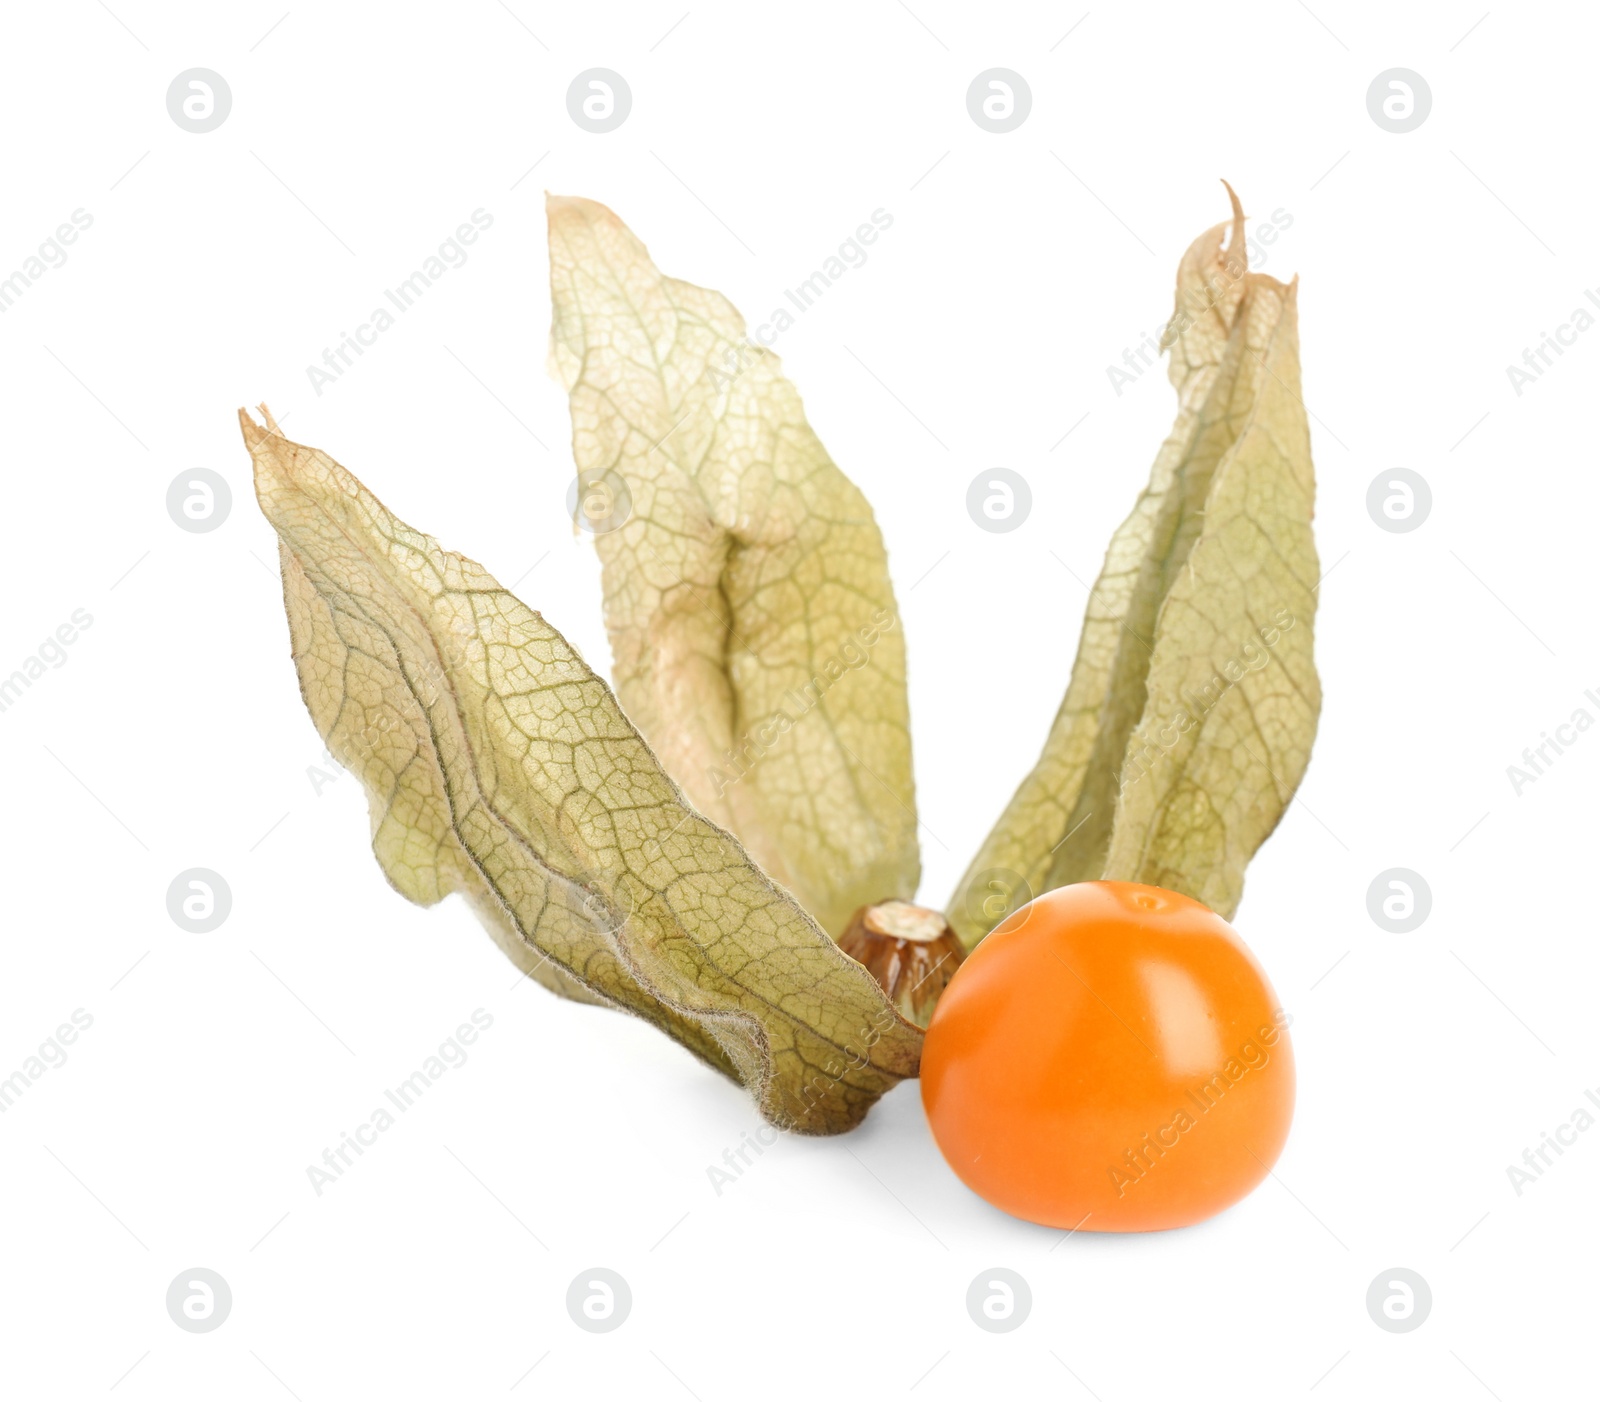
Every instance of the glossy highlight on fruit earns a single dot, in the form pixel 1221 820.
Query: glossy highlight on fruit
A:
pixel 1110 1058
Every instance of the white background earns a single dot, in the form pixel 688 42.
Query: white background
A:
pixel 1017 269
